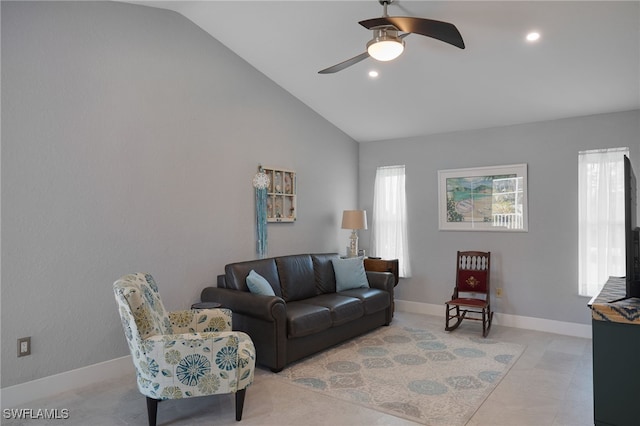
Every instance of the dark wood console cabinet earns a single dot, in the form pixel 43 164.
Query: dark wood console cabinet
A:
pixel 616 356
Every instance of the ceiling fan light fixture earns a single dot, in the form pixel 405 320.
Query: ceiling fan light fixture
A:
pixel 385 45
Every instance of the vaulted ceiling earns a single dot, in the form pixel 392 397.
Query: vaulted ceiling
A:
pixel 587 60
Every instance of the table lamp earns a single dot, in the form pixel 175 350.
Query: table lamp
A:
pixel 354 220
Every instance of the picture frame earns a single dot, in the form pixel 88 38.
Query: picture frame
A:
pixel 483 199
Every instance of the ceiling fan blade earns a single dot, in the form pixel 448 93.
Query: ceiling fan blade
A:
pixel 443 31
pixel 345 64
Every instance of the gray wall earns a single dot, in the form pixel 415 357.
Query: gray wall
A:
pixel 129 141
pixel 537 269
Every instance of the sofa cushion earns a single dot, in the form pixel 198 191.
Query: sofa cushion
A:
pixel 373 299
pixel 304 319
pixel 349 273
pixel 343 308
pixel 296 277
pixel 323 270
pixel 236 274
pixel 258 284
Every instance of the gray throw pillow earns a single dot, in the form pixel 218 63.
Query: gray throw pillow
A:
pixel 258 284
pixel 350 273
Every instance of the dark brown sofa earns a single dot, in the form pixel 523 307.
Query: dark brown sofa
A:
pixel 306 315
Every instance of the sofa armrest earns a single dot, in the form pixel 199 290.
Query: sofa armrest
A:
pixel 267 308
pixel 384 281
pixel 264 318
pixel 381 280
pixel 200 320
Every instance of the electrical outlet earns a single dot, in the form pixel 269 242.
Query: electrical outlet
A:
pixel 498 291
pixel 24 346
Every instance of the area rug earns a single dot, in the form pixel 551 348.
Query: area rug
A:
pixel 421 374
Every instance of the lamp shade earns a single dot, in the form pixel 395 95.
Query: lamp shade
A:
pixel 354 219
pixel 386 50
pixel 385 45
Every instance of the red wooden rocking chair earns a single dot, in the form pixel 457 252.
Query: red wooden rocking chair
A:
pixel 471 295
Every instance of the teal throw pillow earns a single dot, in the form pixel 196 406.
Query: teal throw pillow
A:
pixel 350 273
pixel 258 284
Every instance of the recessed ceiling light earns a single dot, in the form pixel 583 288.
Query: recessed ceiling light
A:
pixel 373 74
pixel 533 36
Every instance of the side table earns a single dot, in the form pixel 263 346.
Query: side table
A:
pixel 382 265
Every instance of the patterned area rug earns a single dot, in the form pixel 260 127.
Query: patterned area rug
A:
pixel 424 375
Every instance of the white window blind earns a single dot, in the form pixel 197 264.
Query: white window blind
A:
pixel 389 224
pixel 601 249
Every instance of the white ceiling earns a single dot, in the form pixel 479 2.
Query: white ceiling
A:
pixel 586 62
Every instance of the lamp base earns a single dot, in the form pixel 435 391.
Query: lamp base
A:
pixel 353 244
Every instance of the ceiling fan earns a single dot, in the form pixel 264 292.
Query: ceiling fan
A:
pixel 387 44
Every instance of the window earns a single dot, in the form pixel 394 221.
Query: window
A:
pixel 601 250
pixel 389 230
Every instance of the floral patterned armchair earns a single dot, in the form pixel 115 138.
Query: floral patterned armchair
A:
pixel 181 354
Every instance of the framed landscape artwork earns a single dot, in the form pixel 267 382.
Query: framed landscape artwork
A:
pixel 483 199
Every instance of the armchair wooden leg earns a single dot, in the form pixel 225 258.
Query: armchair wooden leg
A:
pixel 240 403
pixel 152 410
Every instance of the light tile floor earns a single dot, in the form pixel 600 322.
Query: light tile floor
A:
pixel 550 384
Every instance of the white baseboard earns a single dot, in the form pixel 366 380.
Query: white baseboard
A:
pixel 529 323
pixel 15 396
